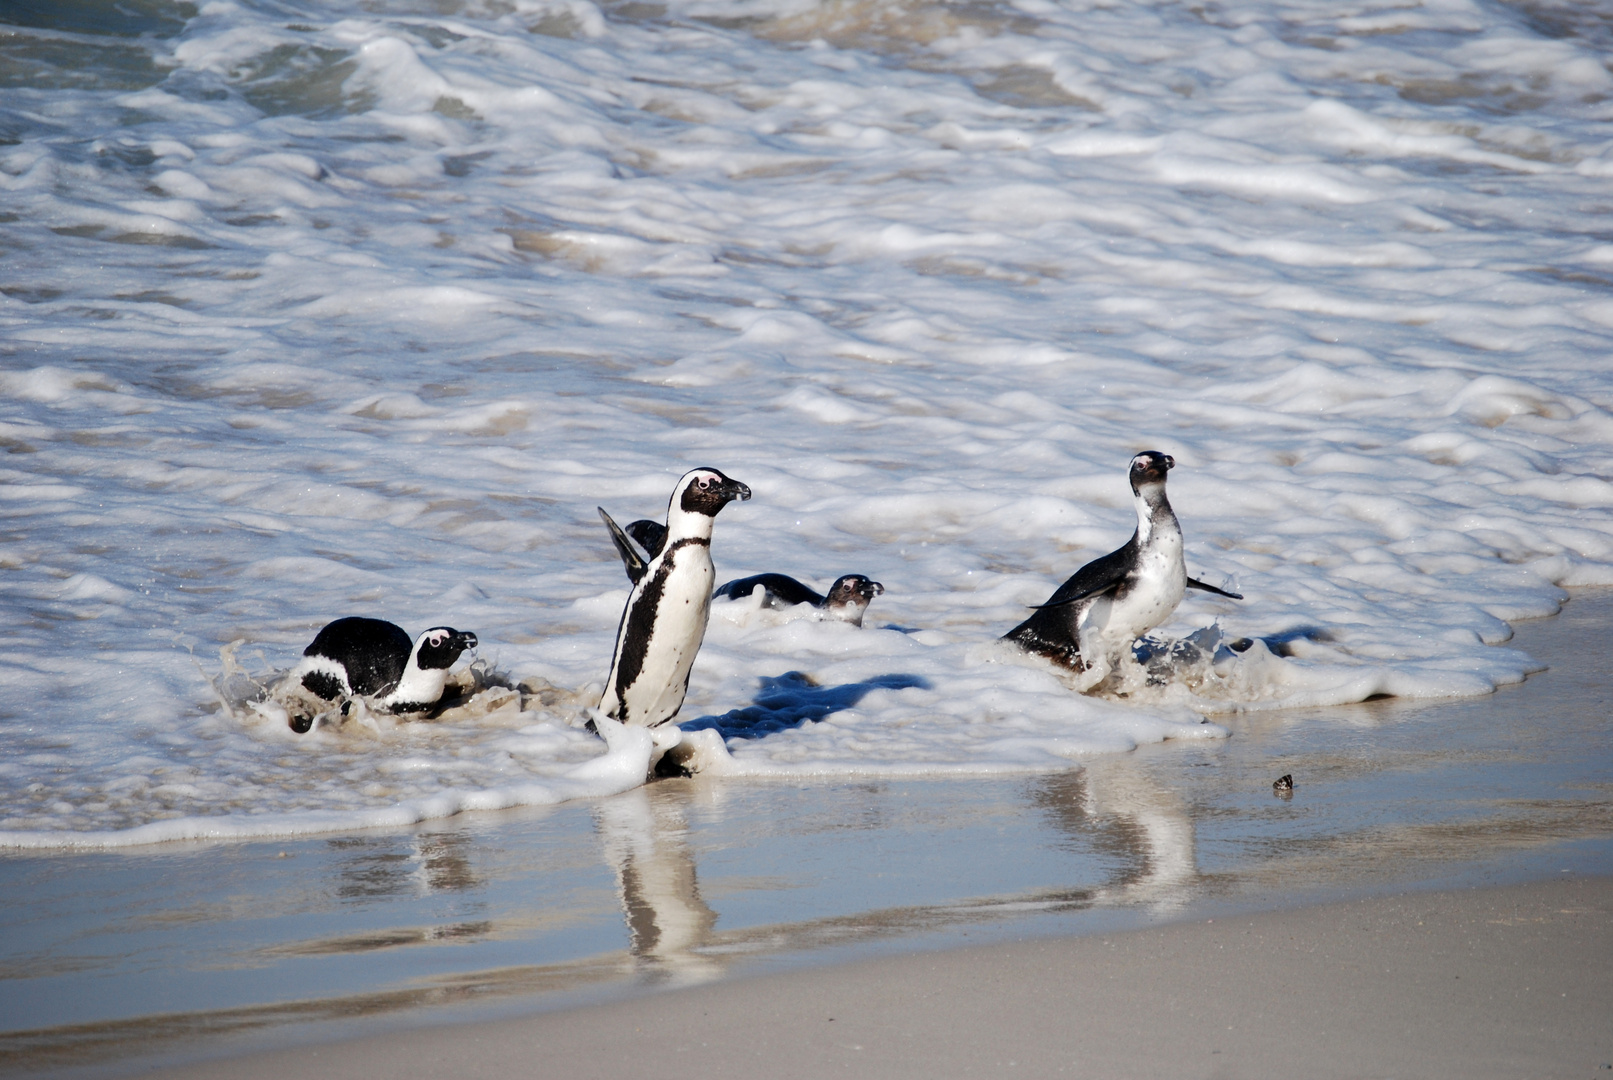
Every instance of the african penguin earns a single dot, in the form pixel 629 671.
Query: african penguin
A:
pixel 664 621
pixel 848 597
pixel 372 658
pixel 1110 602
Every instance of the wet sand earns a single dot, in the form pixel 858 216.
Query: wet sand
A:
pixel 755 904
pixel 1503 982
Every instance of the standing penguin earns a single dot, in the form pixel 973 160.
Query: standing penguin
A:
pixel 1110 602
pixel 665 618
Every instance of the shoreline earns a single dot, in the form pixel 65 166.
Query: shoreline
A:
pixel 331 942
pixel 1479 982
pixel 314 311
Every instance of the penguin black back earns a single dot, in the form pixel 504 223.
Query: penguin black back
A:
pixel 1050 630
pixel 373 651
pixel 780 587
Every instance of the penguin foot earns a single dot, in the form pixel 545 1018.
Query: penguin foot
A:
pixel 669 769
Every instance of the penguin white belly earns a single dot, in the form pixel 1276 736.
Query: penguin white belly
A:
pixel 1152 595
pixel 675 632
pixel 657 694
pixel 1108 626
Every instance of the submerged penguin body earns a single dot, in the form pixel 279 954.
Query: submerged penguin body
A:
pixel 848 598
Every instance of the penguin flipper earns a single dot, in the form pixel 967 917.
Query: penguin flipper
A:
pixel 634 563
pixel 1094 579
pixel 1194 584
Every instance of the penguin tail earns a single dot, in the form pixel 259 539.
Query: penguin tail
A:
pixel 1193 583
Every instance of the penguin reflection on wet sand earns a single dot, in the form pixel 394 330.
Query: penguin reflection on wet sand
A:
pixel 1107 604
pixel 848 597
pixel 664 621
pixel 372 658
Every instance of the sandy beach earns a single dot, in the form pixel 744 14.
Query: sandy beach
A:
pixel 1512 981
pixel 313 309
pixel 1432 900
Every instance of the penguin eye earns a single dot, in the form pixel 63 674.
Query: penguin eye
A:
pixel 436 640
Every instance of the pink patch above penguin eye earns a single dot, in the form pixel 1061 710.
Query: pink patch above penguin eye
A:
pixel 434 640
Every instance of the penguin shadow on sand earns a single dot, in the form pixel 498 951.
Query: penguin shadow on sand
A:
pixel 643 836
pixel 789 700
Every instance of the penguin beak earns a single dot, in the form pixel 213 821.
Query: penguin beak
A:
pixel 1170 462
pixel 873 589
pixel 465 640
pixel 735 490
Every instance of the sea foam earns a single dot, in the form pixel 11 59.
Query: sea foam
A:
pixel 313 311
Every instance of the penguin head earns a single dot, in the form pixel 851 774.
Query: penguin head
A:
pixel 706 491
pixel 850 596
pixel 440 646
pixel 853 589
pixel 1149 468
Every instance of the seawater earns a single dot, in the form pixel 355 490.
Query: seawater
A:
pixel 317 309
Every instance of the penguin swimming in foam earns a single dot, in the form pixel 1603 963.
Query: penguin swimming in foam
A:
pixel 664 621
pixel 372 658
pixel 1110 602
pixel 848 597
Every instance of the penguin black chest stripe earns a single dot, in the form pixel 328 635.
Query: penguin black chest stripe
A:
pixel 641 615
